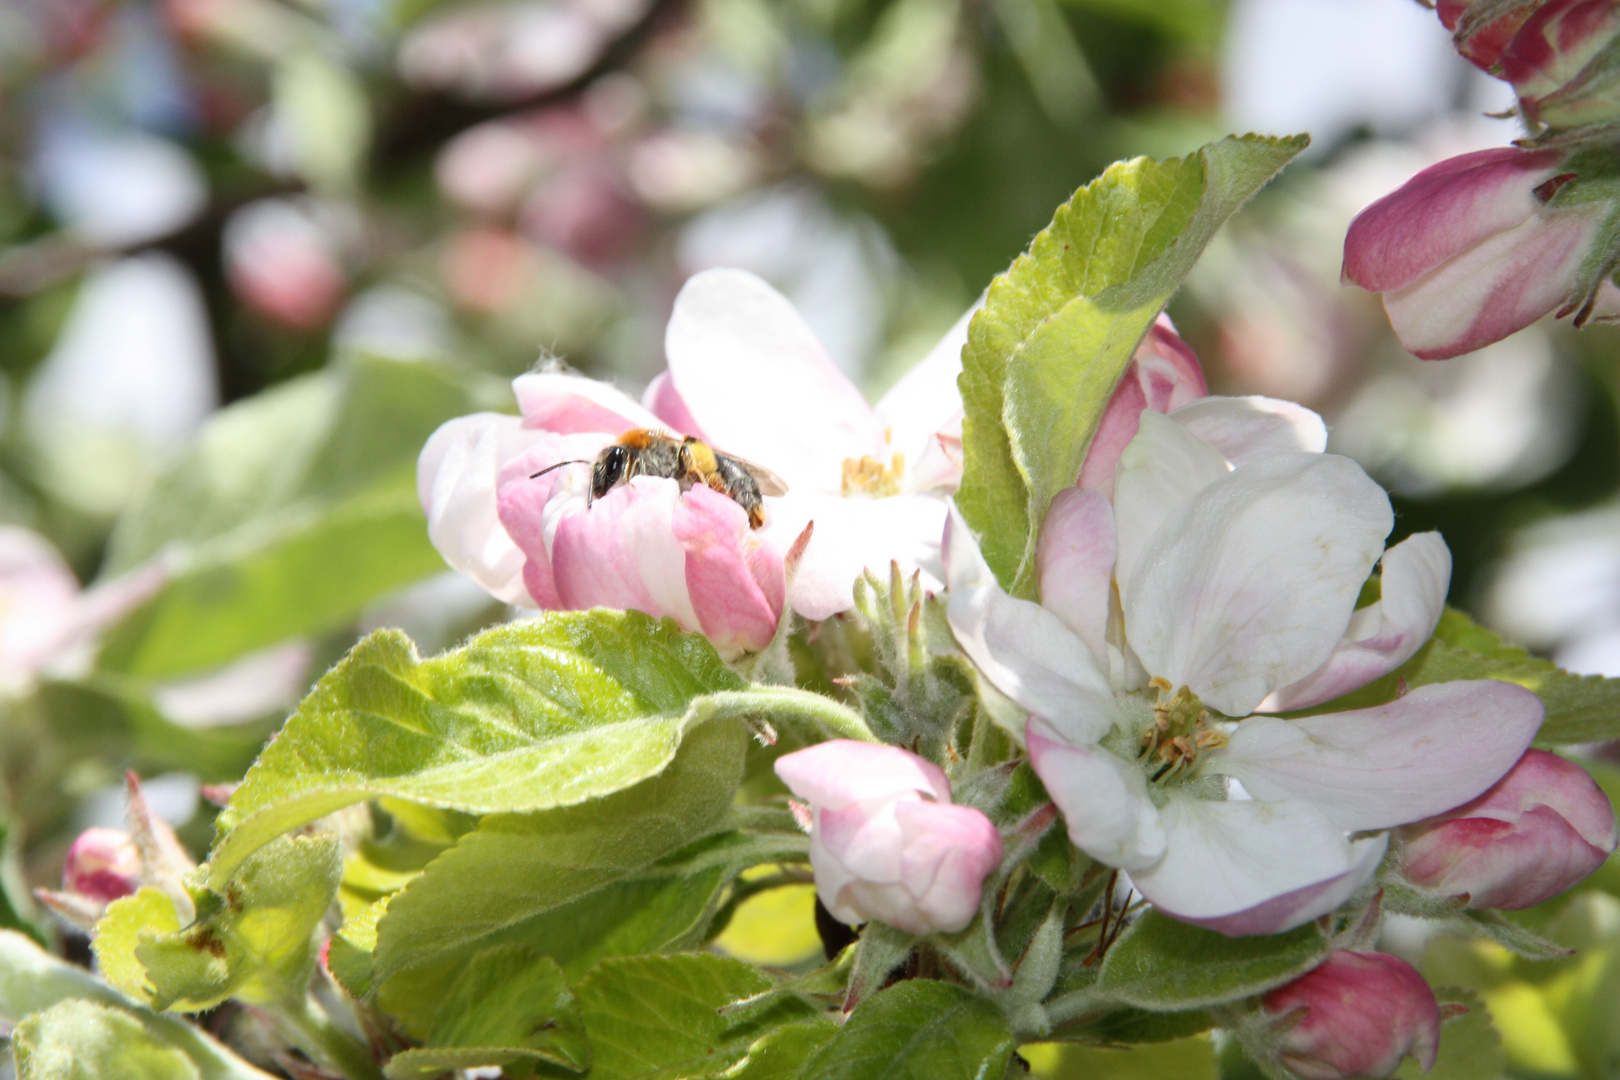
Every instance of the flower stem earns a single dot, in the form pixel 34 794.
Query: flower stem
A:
pixel 307 1026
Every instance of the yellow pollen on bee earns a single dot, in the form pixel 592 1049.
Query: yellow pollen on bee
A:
pixel 867 475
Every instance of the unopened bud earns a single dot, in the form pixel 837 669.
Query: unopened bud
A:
pixel 1535 833
pixel 1356 1015
pixel 1562 63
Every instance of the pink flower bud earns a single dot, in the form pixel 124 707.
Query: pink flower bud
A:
pixel 1357 1015
pixel 102 865
pixel 1481 29
pixel 1550 62
pixel 1536 832
pixel 1467 251
pixel 885 841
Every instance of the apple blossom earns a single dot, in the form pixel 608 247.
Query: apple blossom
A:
pixel 749 377
pixel 1474 249
pixel 1356 1015
pixel 1535 833
pixel 886 842
pixel 1561 65
pixel 1221 580
pixel 1481 29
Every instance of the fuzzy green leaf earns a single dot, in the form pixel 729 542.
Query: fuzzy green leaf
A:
pixel 289 513
pixel 80 1040
pixel 1060 325
pixel 515 868
pixel 1163 965
pixel 918 1029
pixel 551 712
pixel 509 1004
pixel 658 1017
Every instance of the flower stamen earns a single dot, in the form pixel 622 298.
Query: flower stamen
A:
pixel 869 476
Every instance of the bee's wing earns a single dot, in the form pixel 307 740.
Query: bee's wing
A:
pixel 769 483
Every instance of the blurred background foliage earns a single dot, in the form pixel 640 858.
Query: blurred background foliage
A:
pixel 252 252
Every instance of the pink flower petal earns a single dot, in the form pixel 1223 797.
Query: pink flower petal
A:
pixel 840 772
pixel 571 404
pixel 1358 1014
pixel 733 610
pixel 1075 561
pixel 1163 375
pixel 1429 751
pixel 666 403
pixel 531 507
pixel 1382 636
pixel 1248 585
pixel 1442 212
pixel 948 852
pixel 623 553
pixel 760 384
pixel 1022 648
pixel 1246 428
pixel 1104 801
pixel 456 479
pixel 1254 867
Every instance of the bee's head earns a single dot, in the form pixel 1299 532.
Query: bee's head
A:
pixel 609 469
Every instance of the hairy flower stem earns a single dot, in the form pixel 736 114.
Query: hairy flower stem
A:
pixel 306 1025
pixel 786 703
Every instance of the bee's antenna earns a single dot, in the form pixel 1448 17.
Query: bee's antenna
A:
pixel 560 464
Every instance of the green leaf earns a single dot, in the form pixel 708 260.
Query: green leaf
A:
pixel 514 868
pixel 1470 1046
pixel 510 1003
pixel 33 981
pixel 253 940
pixel 780 1053
pixel 1059 327
pixel 1163 965
pixel 289 513
pixel 659 1016
pixel 1184 1059
pixel 80 1040
pixel 919 1029
pixel 1580 708
pixel 551 712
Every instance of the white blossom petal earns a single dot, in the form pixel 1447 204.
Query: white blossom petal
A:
pixel 761 385
pixel 456 480
pixel 1246 428
pixel 1249 584
pixel 1435 748
pixel 1382 636
pixel 925 400
pixel 1254 867
pixel 1104 800
pixel 1023 649
pixel 852 535
pixel 1075 564
pixel 1163 467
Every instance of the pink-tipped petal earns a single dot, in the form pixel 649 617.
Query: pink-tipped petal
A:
pixel 1246 868
pixel 1382 636
pixel 572 404
pixel 1163 375
pixel 733 610
pixel 1104 801
pixel 1248 585
pixel 531 507
pixel 623 553
pixel 948 853
pixel 1442 212
pixel 666 403
pixel 1022 648
pixel 761 385
pixel 840 772
pixel 456 478
pixel 1246 428
pixel 1075 565
pixel 1497 288
pixel 1422 754
pixel 1163 467
pixel 1357 1015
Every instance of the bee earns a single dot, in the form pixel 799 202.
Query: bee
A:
pixel 645 452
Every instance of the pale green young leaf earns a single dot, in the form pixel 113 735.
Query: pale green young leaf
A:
pixel 289 513
pixel 80 1040
pixel 514 867
pixel 33 981
pixel 1060 325
pixel 509 1003
pixel 1163 965
pixel 659 1018
pixel 554 711
pixel 917 1029
pixel 1580 708
pixel 254 939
